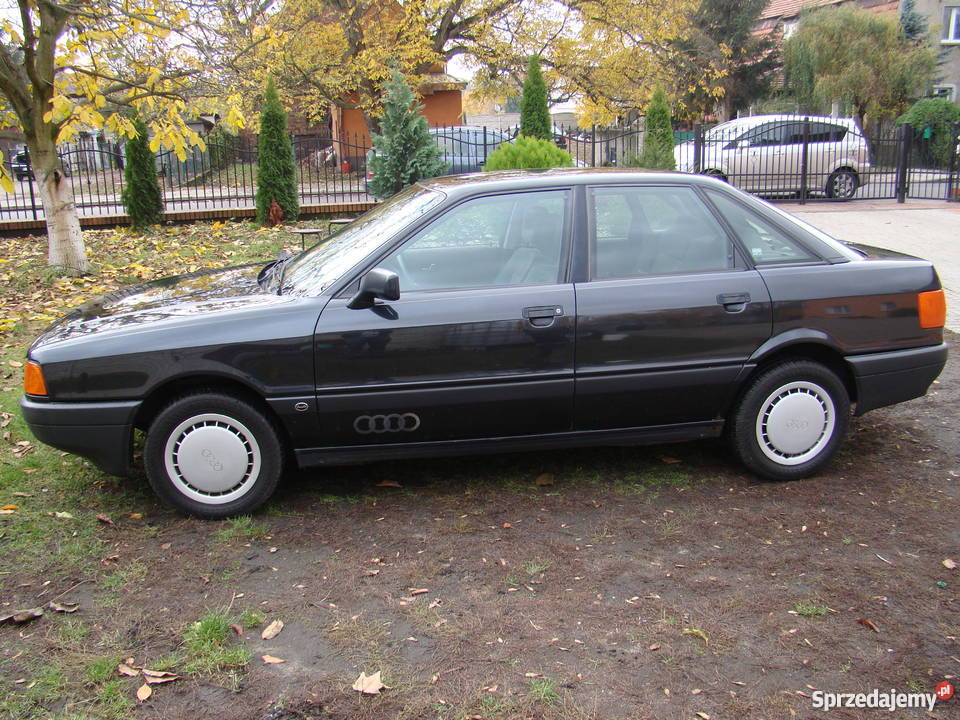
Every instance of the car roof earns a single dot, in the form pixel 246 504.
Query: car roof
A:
pixel 462 128
pixel 745 123
pixel 502 180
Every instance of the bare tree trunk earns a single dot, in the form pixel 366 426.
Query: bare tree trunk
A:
pixel 65 248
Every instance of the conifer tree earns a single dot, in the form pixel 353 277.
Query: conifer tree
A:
pixel 276 177
pixel 534 113
pixel 658 138
pixel 142 197
pixel 404 151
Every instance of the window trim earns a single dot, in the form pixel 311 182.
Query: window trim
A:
pixel 566 253
pixel 951 21
pixel 815 257
pixel 591 235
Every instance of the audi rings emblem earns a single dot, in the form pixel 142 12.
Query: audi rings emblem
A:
pixel 379 424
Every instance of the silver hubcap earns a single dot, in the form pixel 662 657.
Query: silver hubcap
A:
pixel 212 458
pixel 843 185
pixel 795 422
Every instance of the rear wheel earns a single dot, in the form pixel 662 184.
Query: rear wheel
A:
pixel 213 455
pixel 842 184
pixel 791 420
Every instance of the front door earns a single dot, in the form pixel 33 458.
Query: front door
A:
pixel 480 343
pixel 670 313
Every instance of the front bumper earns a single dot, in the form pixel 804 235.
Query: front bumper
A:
pixel 99 431
pixel 892 377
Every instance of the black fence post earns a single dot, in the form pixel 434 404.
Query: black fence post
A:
pixel 30 179
pixel 952 191
pixel 593 146
pixel 698 148
pixel 903 161
pixel 805 161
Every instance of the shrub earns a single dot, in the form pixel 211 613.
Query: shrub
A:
pixel 941 117
pixel 142 197
pixel 404 151
pixel 528 153
pixel 534 114
pixel 658 140
pixel 276 177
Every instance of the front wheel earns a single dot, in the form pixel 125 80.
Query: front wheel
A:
pixel 842 184
pixel 791 420
pixel 213 456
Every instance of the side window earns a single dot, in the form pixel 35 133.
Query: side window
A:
pixel 496 240
pixel 765 243
pixel 654 231
pixel 824 132
pixel 767 135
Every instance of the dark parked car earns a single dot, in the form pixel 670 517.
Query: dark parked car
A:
pixel 20 166
pixel 495 312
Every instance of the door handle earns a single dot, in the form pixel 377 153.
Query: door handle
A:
pixel 543 315
pixel 733 302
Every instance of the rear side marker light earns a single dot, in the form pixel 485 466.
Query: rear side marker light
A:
pixel 33 382
pixel 932 309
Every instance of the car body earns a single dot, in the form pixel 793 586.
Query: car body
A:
pixel 495 312
pixel 763 154
pixel 20 166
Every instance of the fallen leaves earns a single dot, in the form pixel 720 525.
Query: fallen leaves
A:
pixel 150 677
pixel 271 660
pixel 20 617
pixel 950 564
pixel 369 684
pixel 696 633
pixel 868 624
pixel 272 630
pixel 66 607
pixel 158 677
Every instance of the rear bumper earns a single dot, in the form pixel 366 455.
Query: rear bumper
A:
pixel 892 377
pixel 101 432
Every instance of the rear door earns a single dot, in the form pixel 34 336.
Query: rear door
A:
pixel 480 343
pixel 669 315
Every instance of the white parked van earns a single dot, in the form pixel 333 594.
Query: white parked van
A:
pixel 763 154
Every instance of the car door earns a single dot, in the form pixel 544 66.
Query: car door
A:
pixel 480 342
pixel 769 158
pixel 670 312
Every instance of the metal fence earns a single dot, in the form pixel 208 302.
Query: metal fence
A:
pixel 805 158
pixel 827 159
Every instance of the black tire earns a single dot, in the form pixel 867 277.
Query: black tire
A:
pixel 213 455
pixel 842 184
pixel 791 420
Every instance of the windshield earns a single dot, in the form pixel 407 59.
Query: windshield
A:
pixel 313 271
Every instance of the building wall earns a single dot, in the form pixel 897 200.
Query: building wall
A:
pixel 444 107
pixel 948 72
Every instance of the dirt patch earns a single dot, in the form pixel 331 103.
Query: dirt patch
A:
pixel 632 582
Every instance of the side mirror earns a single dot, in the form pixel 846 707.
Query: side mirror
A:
pixel 378 283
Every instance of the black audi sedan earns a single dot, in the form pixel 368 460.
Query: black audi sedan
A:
pixel 495 312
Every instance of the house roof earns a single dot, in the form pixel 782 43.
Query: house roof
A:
pixel 791 8
pixel 777 9
pixel 438 81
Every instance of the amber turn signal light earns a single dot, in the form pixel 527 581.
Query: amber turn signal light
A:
pixel 33 382
pixel 932 309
